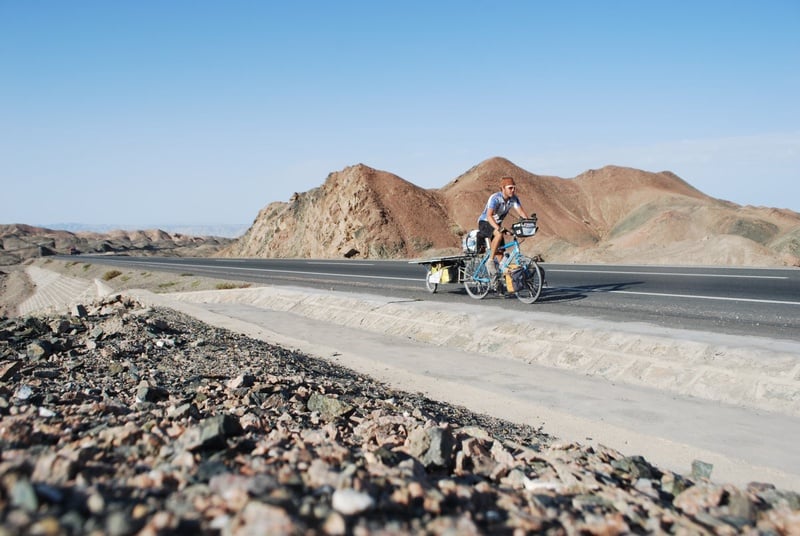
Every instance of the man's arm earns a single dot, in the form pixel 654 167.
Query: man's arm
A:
pixel 491 220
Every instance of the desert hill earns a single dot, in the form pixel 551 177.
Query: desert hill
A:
pixel 358 211
pixel 19 242
pixel 610 215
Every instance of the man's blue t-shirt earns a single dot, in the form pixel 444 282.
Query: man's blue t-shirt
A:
pixel 500 206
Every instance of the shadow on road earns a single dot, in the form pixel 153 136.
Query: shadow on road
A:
pixel 559 294
pixel 563 294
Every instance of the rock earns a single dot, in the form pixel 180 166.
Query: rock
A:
pixel 350 501
pixel 23 496
pixel 24 392
pixel 698 498
pixel 39 350
pixel 701 469
pixel 148 393
pixel 258 518
pixel 60 326
pixel 212 433
pixel 329 408
pixel 433 446
pixel 635 467
pixel 8 369
pixel 242 380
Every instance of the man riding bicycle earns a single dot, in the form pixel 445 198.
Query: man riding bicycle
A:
pixel 490 222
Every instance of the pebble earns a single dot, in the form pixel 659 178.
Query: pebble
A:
pixel 350 501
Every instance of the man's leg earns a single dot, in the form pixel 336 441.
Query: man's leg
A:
pixel 490 237
pixel 496 238
pixel 490 267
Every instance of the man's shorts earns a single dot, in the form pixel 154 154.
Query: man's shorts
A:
pixel 485 230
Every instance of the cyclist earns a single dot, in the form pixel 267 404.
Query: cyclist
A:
pixel 490 222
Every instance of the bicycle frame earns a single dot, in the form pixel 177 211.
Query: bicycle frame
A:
pixel 514 257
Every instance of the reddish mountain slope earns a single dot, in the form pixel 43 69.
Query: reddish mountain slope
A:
pixel 358 211
pixel 613 214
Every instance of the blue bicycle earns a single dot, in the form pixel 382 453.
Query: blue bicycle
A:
pixel 518 274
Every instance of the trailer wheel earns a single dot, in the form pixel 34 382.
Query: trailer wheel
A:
pixel 431 286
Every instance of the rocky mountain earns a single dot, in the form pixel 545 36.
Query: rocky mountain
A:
pixel 613 215
pixel 358 211
pixel 19 242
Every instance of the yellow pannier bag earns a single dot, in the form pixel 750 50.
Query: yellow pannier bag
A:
pixel 510 270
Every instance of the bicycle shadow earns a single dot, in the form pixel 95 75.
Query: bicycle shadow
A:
pixel 563 294
pixel 556 294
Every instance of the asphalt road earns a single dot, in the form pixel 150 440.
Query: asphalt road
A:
pixel 741 301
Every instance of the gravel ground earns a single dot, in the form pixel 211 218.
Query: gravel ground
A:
pixel 120 419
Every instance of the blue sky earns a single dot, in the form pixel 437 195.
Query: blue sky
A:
pixel 200 112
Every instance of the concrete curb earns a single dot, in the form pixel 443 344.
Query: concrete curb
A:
pixel 746 371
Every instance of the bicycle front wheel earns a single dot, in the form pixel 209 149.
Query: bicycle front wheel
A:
pixel 476 278
pixel 533 284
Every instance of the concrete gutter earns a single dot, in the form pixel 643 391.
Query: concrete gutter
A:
pixel 55 291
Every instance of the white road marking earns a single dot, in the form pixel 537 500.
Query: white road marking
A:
pixel 198 267
pixel 331 274
pixel 667 274
pixel 667 295
pixel 338 263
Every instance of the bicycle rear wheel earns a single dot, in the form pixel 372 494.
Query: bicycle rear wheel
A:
pixel 476 278
pixel 533 284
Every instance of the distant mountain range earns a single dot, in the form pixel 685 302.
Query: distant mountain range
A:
pixel 225 230
pixel 19 241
